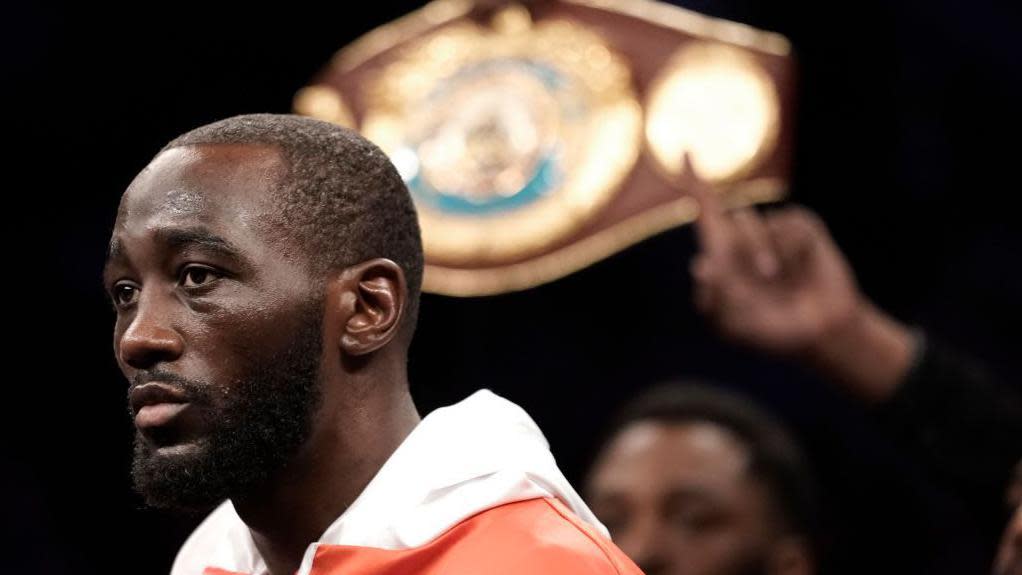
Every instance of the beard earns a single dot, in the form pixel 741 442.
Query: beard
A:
pixel 248 441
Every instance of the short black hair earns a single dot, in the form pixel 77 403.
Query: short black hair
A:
pixel 775 458
pixel 341 199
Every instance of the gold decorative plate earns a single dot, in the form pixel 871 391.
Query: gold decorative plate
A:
pixel 521 135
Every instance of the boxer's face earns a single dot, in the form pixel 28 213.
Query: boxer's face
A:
pixel 218 332
pixel 678 499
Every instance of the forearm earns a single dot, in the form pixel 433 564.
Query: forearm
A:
pixel 868 353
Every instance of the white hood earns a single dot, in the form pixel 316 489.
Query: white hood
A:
pixel 460 460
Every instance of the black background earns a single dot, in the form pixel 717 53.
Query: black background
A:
pixel 907 146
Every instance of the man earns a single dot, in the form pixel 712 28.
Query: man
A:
pixel 265 271
pixel 697 481
pixel 778 283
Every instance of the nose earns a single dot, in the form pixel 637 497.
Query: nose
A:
pixel 150 338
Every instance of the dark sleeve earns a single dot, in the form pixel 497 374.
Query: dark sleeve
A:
pixel 964 423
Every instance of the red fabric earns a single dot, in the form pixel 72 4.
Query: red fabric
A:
pixel 538 536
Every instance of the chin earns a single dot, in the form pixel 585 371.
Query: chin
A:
pixel 178 477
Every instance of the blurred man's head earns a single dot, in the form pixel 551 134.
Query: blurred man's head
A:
pixel 697 481
pixel 258 267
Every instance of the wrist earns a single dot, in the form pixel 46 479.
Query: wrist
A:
pixel 868 353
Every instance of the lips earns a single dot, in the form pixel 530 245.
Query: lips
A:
pixel 157 405
pixel 158 415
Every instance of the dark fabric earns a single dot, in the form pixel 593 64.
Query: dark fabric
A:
pixel 962 422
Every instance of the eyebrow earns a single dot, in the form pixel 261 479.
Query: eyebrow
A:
pixel 179 238
pixel 690 493
pixel 676 493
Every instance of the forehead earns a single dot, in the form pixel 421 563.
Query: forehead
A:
pixel 655 458
pixel 224 188
pixel 205 182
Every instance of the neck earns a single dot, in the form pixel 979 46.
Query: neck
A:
pixel 360 423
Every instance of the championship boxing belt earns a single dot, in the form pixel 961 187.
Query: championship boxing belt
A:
pixel 539 138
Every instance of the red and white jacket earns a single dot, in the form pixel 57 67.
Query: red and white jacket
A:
pixel 473 490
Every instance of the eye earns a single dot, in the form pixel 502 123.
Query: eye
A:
pixel 124 294
pixel 198 276
pixel 698 518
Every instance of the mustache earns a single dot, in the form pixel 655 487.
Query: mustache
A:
pixel 194 392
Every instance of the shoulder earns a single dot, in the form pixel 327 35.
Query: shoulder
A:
pixel 544 536
pixel 536 537
pixel 532 537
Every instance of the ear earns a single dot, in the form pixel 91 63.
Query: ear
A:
pixel 372 300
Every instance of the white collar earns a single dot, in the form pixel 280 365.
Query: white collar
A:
pixel 477 454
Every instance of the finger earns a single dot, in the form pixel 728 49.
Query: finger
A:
pixel 795 233
pixel 704 286
pixel 713 229
pixel 754 243
pixel 700 267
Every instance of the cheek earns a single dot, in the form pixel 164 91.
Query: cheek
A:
pixel 238 338
pixel 230 344
pixel 718 548
pixel 240 317
pixel 643 533
pixel 629 536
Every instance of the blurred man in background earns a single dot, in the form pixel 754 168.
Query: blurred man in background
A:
pixel 697 481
